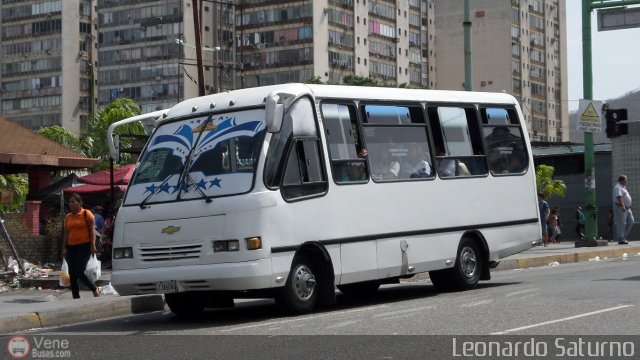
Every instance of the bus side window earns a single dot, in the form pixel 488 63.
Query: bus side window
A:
pixel 303 175
pixel 348 163
pixel 505 144
pixel 456 134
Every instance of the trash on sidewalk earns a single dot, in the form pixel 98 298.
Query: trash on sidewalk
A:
pixel 597 258
pixel 625 256
pixel 108 289
pixel 554 264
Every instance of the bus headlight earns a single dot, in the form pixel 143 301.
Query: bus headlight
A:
pixel 123 253
pixel 226 245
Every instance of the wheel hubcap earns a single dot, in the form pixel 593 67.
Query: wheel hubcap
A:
pixel 304 282
pixel 468 262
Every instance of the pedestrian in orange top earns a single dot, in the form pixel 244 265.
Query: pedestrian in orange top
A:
pixel 78 243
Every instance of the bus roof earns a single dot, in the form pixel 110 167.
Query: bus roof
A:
pixel 256 96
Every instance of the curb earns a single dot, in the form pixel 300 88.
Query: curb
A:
pixel 87 311
pixel 512 264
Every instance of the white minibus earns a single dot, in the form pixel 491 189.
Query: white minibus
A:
pixel 289 191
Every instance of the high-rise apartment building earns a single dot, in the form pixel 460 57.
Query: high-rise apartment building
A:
pixel 519 47
pixel 286 41
pixel 147 50
pixel 47 64
pixel 147 47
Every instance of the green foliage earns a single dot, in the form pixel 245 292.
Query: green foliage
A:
pixel 314 80
pixel 545 183
pixel 17 183
pixel 117 110
pixel 94 144
pixel 359 81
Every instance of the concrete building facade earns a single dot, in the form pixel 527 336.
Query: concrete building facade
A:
pixel 47 73
pixel 518 47
pixel 294 41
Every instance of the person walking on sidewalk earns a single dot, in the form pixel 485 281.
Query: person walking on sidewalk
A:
pixel 579 223
pixel 622 215
pixel 78 243
pixel 544 218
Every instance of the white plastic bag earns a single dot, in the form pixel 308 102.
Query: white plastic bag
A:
pixel 93 270
pixel 65 280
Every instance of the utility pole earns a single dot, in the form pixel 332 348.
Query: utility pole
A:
pixel 468 78
pixel 196 26
pixel 591 210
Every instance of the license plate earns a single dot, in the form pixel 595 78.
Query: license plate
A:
pixel 167 287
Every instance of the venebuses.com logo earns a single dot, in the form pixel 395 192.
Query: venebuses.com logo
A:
pixel 18 347
pixel 38 347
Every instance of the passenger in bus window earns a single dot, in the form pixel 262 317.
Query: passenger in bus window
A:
pixel 417 165
pixel 383 167
pixel 446 167
pixel 353 171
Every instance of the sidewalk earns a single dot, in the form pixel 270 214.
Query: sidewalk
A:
pixel 32 308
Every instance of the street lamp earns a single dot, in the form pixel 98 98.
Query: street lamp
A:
pixel 217 75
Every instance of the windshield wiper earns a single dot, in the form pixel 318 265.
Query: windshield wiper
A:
pixel 187 163
pixel 143 203
pixel 206 197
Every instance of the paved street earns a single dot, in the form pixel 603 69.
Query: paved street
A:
pixel 591 297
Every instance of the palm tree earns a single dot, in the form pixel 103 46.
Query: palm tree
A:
pixel 94 144
pixel 117 110
pixel 19 185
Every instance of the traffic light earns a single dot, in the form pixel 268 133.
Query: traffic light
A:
pixel 613 117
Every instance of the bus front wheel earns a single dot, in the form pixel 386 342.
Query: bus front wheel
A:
pixel 185 304
pixel 300 293
pixel 468 268
pixel 466 272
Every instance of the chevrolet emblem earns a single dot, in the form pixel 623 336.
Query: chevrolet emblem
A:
pixel 170 230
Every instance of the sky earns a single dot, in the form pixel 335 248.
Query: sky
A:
pixel 615 56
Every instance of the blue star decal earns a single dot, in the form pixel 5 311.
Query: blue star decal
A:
pixel 151 188
pixel 202 184
pixel 215 182
pixel 165 188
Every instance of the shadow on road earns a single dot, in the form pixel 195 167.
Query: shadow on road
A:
pixel 254 311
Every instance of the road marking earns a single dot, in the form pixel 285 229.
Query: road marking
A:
pixel 561 320
pixel 477 303
pixel 391 313
pixel 304 318
pixel 342 324
pixel 527 291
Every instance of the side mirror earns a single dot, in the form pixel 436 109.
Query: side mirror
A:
pixel 274 113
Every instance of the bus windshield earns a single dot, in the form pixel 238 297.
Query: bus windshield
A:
pixel 203 156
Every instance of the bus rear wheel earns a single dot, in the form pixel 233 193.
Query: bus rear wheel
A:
pixel 300 293
pixel 186 304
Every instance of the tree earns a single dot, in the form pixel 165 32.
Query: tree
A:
pixel 359 81
pixel 545 183
pixel 19 185
pixel 94 144
pixel 117 110
pixel 314 80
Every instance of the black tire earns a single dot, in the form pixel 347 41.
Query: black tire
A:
pixel 359 289
pixel 466 272
pixel 186 304
pixel 468 269
pixel 300 293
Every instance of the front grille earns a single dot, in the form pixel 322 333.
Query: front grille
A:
pixel 168 253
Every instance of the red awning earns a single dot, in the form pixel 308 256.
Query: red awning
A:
pixel 121 175
pixel 90 188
